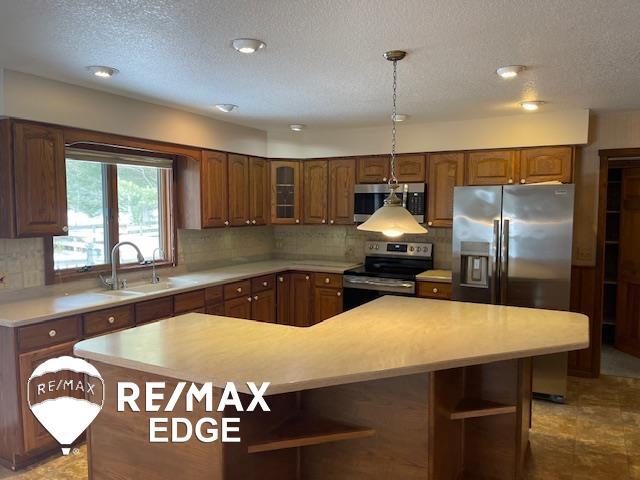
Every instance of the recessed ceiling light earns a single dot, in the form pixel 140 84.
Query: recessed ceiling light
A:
pixel 400 117
pixel 297 127
pixel 102 71
pixel 510 71
pixel 532 106
pixel 248 45
pixel 226 107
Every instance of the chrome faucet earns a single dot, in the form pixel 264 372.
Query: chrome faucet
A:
pixel 113 283
pixel 155 278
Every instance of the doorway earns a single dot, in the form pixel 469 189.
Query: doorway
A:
pixel 619 262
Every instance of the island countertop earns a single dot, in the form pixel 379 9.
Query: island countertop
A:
pixel 388 337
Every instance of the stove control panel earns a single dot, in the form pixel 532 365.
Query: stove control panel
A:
pixel 399 249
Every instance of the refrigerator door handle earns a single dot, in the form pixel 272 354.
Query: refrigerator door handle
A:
pixel 495 267
pixel 504 262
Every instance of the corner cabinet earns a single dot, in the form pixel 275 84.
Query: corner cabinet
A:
pixel 314 188
pixel 33 184
pixel 446 171
pixel 286 192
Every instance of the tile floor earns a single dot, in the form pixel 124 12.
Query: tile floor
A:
pixel 594 436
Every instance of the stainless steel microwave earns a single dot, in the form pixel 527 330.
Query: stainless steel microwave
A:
pixel 370 197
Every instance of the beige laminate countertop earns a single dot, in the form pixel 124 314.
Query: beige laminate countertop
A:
pixel 47 303
pixel 388 337
pixel 441 276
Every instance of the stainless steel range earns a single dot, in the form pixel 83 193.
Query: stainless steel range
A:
pixel 390 268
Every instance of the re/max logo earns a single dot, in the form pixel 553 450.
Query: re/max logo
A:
pixel 179 429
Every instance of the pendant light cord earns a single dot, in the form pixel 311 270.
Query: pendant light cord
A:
pixel 392 178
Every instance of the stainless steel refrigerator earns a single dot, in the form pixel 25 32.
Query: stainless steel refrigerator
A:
pixel 512 246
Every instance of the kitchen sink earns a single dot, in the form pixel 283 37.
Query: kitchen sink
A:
pixel 159 287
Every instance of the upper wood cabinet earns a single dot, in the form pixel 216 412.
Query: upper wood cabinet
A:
pixel 215 208
pixel 446 171
pixel 546 164
pixel 494 167
pixel 286 192
pixel 410 168
pixel 373 169
pixel 259 191
pixel 342 179
pixel 314 191
pixel 39 180
pixel 238 190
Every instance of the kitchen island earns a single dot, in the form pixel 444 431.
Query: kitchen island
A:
pixel 399 388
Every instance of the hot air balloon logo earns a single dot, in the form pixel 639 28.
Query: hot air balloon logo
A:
pixel 65 394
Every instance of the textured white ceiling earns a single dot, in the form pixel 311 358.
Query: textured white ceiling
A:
pixel 323 63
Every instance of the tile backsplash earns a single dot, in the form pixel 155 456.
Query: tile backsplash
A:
pixel 21 263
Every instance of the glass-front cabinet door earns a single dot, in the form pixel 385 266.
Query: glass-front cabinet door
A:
pixel 285 192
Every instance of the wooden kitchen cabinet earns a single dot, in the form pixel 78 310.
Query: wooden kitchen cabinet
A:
pixel 263 306
pixel 40 188
pixel 189 301
pixel 286 192
pixel 239 195
pixel 342 181
pixel 108 320
pixel 327 303
pixel 35 436
pixel 411 168
pixel 546 164
pixel 301 298
pixel 283 299
pixel 446 171
pixel 238 307
pixel 258 191
pixel 495 167
pixel 152 310
pixel 373 169
pixel 315 175
pixel 434 290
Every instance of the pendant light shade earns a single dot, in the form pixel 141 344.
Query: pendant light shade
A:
pixel 392 219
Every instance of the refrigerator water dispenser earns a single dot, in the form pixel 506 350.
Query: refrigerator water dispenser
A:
pixel 474 270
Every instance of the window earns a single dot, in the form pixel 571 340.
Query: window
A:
pixel 113 198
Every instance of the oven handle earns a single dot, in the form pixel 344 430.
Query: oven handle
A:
pixel 378 284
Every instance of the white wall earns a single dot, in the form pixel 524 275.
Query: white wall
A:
pixel 527 129
pixel 36 98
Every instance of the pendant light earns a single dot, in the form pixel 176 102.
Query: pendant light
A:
pixel 392 219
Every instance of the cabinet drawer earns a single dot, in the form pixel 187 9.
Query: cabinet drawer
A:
pixel 266 282
pixel 154 310
pixel 49 333
pixel 434 290
pixel 214 294
pixel 237 289
pixel 332 280
pixel 189 301
pixel 103 321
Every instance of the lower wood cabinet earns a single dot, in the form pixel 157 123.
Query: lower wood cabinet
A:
pixel 189 302
pixel 283 296
pixel 239 307
pixel 152 310
pixel 301 298
pixel 108 320
pixel 434 290
pixel 215 309
pixel 327 303
pixel 263 306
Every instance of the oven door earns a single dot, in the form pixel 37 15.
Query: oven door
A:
pixel 370 197
pixel 359 290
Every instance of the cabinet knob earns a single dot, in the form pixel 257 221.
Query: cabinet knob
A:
pixel 52 333
pixel 331 222
pixel 327 280
pixel 339 294
pixel 226 222
pixel 239 289
pixel 253 222
pixel 256 297
pixel 511 180
pixel 306 277
pixel 429 223
pixel 281 279
pixel 264 284
pixel 297 220
pixel 384 179
pixel 523 181
pixel 324 221
pixel 111 320
pixel 435 290
pixel 248 222
pixel 249 299
pixel 65 229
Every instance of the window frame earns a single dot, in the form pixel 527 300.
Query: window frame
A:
pixel 168 236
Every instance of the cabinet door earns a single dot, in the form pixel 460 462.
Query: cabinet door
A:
pixel 263 306
pixel 34 434
pixel 314 188
pixel 546 164
pixel 285 192
pixel 373 169
pixel 301 298
pixel 239 190
pixel 410 168
pixel 342 180
pixel 445 172
pixel 215 309
pixel 238 308
pixel 283 298
pixel 40 181
pixel 327 303
pixel 214 189
pixel 259 191
pixel 492 167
